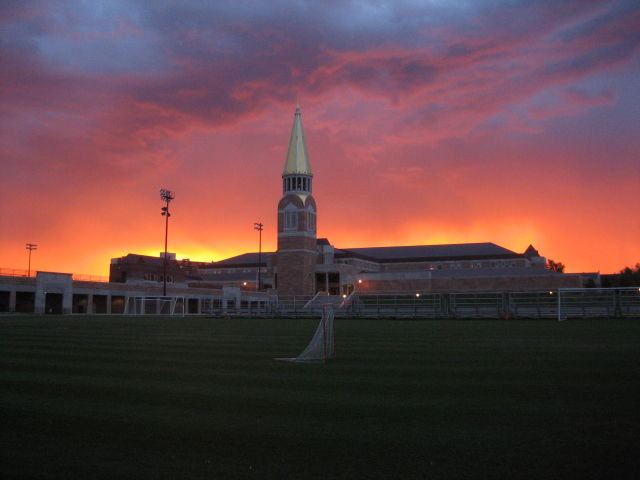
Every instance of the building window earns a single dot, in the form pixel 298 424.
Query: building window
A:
pixel 311 222
pixel 290 220
pixel 300 183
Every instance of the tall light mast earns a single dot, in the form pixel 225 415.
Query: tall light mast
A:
pixel 166 196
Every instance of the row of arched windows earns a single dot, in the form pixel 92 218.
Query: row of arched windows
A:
pixel 300 183
pixel 291 221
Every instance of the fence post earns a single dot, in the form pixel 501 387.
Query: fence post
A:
pixel 559 304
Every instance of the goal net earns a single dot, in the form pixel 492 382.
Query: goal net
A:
pixel 155 306
pixel 322 345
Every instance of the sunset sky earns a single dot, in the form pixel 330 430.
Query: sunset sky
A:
pixel 427 122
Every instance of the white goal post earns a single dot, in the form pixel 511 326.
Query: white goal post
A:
pixel 155 306
pixel 322 346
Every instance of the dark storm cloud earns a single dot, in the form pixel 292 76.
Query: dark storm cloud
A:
pixel 217 61
pixel 111 80
pixel 127 74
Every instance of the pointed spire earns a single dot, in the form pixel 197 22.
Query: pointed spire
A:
pixel 531 252
pixel 297 161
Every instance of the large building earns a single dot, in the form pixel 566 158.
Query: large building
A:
pixel 306 265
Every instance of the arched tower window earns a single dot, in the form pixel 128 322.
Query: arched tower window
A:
pixel 311 222
pixel 296 183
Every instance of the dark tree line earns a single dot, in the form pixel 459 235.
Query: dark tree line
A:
pixel 627 277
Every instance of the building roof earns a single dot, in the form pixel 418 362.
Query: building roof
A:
pixel 492 272
pixel 429 252
pixel 531 252
pixel 132 258
pixel 244 260
pixel 297 156
pixel 221 277
pixel 412 253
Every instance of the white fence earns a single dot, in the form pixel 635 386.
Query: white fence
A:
pixel 555 304
pixel 600 302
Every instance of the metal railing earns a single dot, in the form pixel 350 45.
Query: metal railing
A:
pixel 598 302
pixel 18 272
pixel 563 303
pixel 555 304
pixel 90 278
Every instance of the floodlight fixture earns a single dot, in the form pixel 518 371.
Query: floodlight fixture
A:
pixel 166 195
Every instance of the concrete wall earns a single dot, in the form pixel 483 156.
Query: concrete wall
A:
pixel 58 293
pixel 50 285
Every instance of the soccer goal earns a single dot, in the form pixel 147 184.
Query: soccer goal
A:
pixel 155 306
pixel 322 346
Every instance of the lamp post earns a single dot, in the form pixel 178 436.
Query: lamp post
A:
pixel 166 196
pixel 258 226
pixel 30 247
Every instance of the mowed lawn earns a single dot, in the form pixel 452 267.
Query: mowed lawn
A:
pixel 190 398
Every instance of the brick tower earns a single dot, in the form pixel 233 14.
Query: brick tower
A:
pixel 296 255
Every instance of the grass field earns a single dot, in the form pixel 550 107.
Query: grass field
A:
pixel 190 398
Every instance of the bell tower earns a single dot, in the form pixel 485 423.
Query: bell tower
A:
pixel 296 256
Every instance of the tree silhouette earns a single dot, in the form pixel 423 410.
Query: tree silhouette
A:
pixel 630 277
pixel 555 266
pixel 627 277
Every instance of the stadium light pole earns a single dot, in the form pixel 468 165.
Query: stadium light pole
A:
pixel 30 247
pixel 166 196
pixel 258 226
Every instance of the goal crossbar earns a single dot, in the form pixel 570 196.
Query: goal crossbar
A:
pixel 143 305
